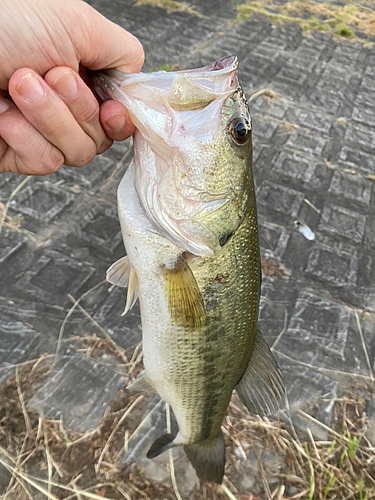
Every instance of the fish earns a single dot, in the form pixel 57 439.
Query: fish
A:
pixel 188 217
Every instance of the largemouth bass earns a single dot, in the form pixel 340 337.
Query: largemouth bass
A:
pixel 189 223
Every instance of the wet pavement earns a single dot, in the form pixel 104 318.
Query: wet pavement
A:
pixel 314 145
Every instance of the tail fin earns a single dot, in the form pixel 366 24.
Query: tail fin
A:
pixel 208 459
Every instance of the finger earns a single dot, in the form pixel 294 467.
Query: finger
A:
pixel 81 102
pixel 23 150
pixel 104 44
pixel 46 111
pixel 116 121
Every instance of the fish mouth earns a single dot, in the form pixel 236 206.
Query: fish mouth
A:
pixel 222 66
pixel 187 89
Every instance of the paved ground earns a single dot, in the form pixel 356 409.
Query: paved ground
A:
pixel 314 162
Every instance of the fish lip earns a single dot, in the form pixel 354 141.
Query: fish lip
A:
pixel 223 66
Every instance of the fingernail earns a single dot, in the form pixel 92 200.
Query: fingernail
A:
pixel 30 88
pixel 4 104
pixel 66 85
pixel 116 121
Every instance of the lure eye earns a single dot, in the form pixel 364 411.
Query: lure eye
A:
pixel 240 130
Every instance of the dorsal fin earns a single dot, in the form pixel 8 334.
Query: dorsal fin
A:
pixel 184 297
pixel 261 387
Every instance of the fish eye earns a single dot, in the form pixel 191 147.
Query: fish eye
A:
pixel 240 130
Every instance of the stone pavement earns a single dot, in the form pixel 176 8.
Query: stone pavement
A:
pixel 314 145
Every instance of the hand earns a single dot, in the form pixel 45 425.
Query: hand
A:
pixel 57 119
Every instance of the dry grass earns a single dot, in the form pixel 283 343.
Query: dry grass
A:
pixel 352 20
pixel 170 6
pixel 14 224
pixel 44 457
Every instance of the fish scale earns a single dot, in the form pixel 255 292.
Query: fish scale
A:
pixel 188 216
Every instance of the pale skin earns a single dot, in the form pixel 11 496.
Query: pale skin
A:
pixel 48 115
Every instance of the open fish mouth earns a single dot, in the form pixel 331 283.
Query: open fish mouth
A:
pixel 225 65
pixel 186 89
pixel 181 120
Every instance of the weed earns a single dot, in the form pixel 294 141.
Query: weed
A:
pixel 170 6
pixel 341 20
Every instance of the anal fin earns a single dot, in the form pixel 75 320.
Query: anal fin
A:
pixel 163 443
pixel 261 387
pixel 184 297
pixel 208 459
pixel 142 384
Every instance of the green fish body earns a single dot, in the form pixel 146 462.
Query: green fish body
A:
pixel 188 216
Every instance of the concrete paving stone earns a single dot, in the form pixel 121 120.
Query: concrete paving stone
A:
pixel 365 116
pixel 351 188
pixel 17 342
pixel 7 184
pixel 52 277
pixel 317 332
pixel 364 99
pixel 308 142
pixel 276 109
pixel 40 204
pixel 315 120
pixel 228 45
pixel 366 270
pixel 332 265
pixel 273 240
pixel 99 227
pixel 326 99
pixel 279 201
pixel 294 168
pixel 85 178
pixel 78 392
pixel 369 237
pixel 345 56
pixel 263 129
pixel 125 330
pixel 293 75
pixel 343 222
pixel 276 306
pixel 310 391
pixel 360 137
pixel 11 243
pixel 40 316
pixel 368 83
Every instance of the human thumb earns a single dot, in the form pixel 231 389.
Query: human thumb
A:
pixel 104 44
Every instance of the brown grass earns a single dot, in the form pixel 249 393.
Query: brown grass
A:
pixel 343 21
pixel 76 466
pixel 170 6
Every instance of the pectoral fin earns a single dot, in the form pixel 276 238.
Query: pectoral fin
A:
pixel 184 297
pixel 122 273
pixel 133 292
pixel 261 387
pixel 142 384
pixel 118 273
